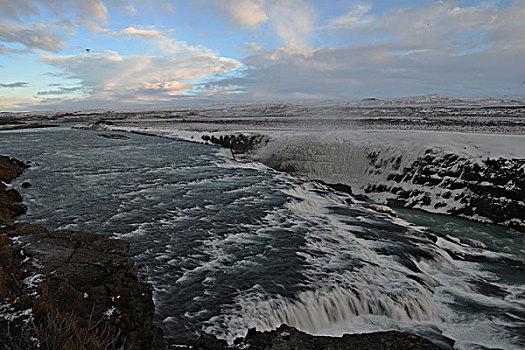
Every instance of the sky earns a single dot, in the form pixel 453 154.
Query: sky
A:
pixel 83 54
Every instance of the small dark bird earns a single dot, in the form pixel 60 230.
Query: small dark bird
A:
pixel 87 50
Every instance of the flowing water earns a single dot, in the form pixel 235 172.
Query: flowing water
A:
pixel 228 245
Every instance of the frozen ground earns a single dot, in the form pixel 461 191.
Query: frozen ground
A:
pixel 432 112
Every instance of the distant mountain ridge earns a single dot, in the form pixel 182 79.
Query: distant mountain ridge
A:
pixel 436 99
pixel 265 108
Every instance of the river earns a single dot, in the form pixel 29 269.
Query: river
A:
pixel 230 244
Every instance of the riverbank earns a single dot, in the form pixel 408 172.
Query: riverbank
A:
pixel 7 124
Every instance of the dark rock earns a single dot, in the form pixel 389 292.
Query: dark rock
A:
pixel 102 121
pixel 289 338
pixel 238 143
pixel 209 342
pixel 395 177
pixel 491 190
pixel 10 199
pixel 115 136
pixel 396 203
pixel 75 263
pixel 340 188
pixel 473 243
pixel 10 168
pixel 426 200
pixel 285 338
pixel 26 185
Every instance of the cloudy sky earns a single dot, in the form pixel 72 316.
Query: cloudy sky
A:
pixel 63 54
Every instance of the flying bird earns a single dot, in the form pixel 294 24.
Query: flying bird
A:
pixel 87 50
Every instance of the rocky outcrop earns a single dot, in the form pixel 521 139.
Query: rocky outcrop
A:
pixel 68 289
pixel 115 136
pixel 238 143
pixel 285 338
pixel 10 199
pixel 491 190
pixel 91 277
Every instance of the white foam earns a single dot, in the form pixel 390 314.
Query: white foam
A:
pixel 372 297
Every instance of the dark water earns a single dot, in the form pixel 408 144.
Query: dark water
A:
pixel 229 245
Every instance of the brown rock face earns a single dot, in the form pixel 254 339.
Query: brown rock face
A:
pixel 93 278
pixel 10 205
pixel 10 168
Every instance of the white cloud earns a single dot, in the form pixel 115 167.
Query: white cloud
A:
pixel 244 13
pixel 84 9
pixel 47 36
pixel 94 27
pixel 356 16
pixel 32 36
pixel 253 47
pixel 293 21
pixel 131 9
pixel 181 48
pixel 140 32
pixel 370 71
pixel 440 26
pixel 167 87
pixel 432 48
pixel 128 79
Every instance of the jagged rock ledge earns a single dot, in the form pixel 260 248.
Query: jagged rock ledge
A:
pixel 286 337
pixel 238 143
